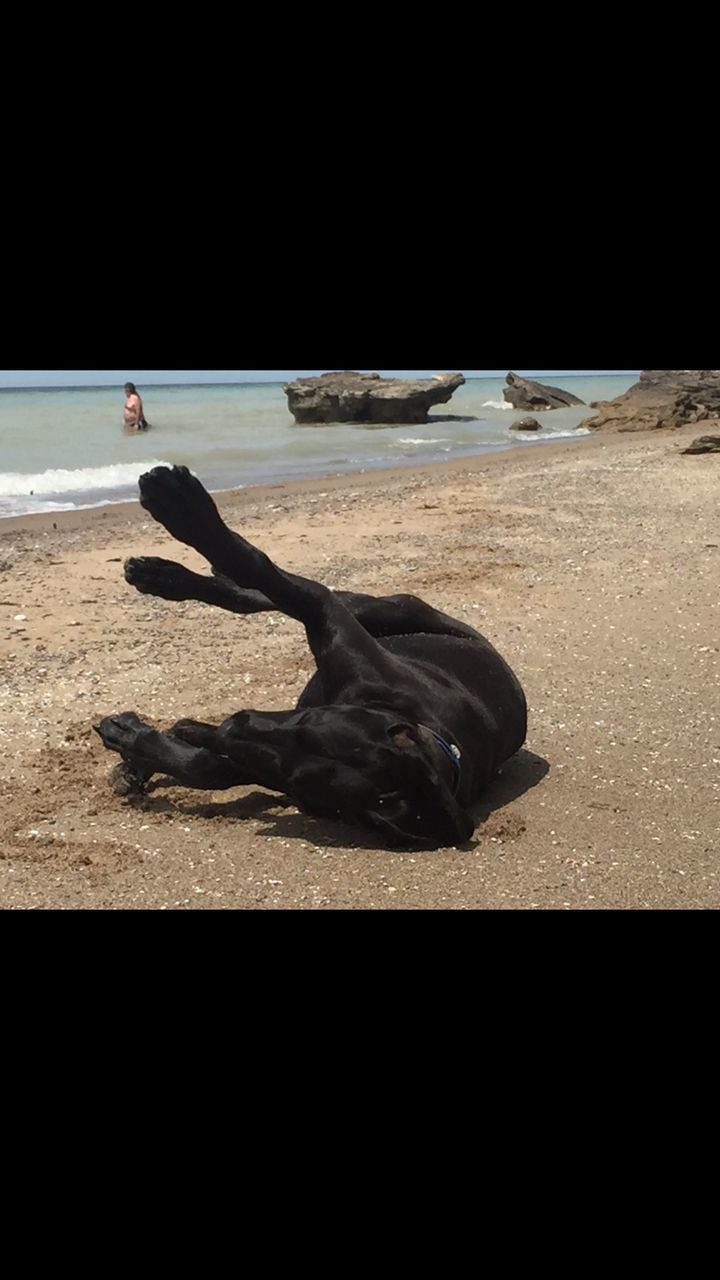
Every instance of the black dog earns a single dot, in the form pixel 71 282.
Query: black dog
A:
pixel 408 717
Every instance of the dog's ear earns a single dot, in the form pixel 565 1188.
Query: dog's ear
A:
pixel 440 820
pixel 404 736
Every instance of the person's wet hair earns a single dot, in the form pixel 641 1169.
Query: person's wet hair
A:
pixel 130 386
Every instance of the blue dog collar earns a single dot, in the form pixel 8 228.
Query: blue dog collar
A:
pixel 451 751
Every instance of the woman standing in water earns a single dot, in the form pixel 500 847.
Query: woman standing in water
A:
pixel 134 414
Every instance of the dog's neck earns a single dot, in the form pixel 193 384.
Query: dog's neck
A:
pixel 445 752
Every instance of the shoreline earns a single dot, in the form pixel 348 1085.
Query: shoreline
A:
pixel 71 456
pixel 78 516
pixel 595 571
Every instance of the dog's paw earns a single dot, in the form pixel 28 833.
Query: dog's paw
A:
pixel 156 577
pixel 136 742
pixel 121 732
pixel 127 780
pixel 176 499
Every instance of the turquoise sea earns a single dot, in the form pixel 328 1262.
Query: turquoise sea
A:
pixel 63 448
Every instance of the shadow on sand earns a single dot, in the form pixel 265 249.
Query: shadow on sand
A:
pixel 520 774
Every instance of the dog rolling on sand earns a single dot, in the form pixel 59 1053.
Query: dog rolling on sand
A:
pixel 407 719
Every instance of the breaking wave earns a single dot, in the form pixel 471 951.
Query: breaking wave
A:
pixel 121 475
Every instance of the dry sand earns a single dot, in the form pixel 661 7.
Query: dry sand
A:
pixel 594 566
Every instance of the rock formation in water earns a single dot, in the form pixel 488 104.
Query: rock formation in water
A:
pixel 525 424
pixel 366 397
pixel 523 393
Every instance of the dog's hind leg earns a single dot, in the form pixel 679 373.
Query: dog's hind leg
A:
pixel 154 576
pixel 177 500
pixel 379 615
pixel 403 615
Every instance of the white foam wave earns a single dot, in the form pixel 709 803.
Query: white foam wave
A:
pixel 121 475
pixel 421 440
pixel 575 431
pixel 497 404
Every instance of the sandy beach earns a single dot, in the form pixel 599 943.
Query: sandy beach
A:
pixel 593 566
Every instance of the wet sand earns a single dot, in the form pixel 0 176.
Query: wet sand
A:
pixel 593 565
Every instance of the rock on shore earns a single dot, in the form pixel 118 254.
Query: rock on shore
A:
pixel 661 398
pixel 366 397
pixel 704 444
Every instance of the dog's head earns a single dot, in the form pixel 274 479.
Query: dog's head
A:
pixel 369 767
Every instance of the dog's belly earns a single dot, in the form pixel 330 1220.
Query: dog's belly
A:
pixel 473 666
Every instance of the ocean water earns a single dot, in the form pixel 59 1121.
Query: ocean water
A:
pixel 64 448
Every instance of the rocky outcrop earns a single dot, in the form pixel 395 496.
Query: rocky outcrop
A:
pixel 525 424
pixel 366 397
pixel 523 393
pixel 662 398
pixel 704 444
